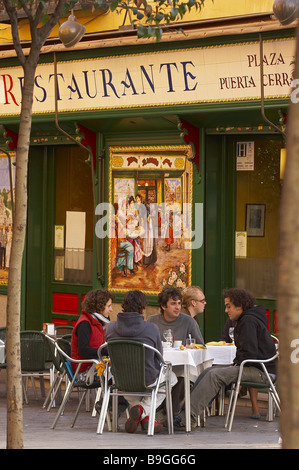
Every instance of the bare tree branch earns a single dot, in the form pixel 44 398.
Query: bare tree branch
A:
pixel 13 16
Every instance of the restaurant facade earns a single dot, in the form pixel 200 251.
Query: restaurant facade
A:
pixel 153 164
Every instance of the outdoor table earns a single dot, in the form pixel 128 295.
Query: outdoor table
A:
pixel 2 352
pixel 194 361
pixel 223 355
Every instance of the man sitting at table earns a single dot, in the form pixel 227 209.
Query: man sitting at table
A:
pixel 253 341
pixel 253 392
pixel 183 326
pixel 130 325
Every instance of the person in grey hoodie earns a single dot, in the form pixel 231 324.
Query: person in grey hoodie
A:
pixel 130 325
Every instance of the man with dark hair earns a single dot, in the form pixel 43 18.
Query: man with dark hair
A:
pixel 240 298
pixel 253 341
pixel 183 326
pixel 130 325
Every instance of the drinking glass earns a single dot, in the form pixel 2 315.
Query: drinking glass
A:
pixel 190 341
pixel 168 336
pixel 231 334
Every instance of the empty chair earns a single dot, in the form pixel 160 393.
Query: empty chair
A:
pixel 34 360
pixel 128 369
pixel 62 330
pixel 3 333
pixel 269 386
pixel 58 373
pixel 67 337
pixel 2 348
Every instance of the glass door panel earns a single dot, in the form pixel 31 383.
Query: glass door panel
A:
pixel 257 207
pixel 73 231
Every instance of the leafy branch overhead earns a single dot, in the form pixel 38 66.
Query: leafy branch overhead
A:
pixel 147 16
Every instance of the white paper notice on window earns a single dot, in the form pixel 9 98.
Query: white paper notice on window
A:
pixel 75 240
pixel 241 245
pixel 245 156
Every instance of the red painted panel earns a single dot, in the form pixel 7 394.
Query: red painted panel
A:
pixel 268 315
pixel 275 322
pixel 65 303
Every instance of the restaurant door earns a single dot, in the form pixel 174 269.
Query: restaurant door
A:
pixel 59 248
pixel 258 189
pixel 38 238
pixel 241 214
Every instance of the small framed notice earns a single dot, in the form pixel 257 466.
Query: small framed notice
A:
pixel 59 237
pixel 255 220
pixel 241 245
pixel 245 156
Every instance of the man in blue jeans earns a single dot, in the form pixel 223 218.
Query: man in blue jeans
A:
pixel 253 341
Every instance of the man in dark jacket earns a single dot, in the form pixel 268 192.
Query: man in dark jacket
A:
pixel 130 325
pixel 253 341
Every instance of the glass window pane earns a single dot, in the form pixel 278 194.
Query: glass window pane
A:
pixel 258 197
pixel 73 217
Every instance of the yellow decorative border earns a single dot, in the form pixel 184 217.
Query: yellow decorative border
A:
pixel 156 105
pixel 148 148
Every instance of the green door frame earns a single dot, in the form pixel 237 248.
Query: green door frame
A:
pixel 38 240
pixel 220 222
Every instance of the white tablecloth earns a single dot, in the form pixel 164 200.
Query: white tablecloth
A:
pixel 223 355
pixel 194 362
pixel 2 352
pixel 197 359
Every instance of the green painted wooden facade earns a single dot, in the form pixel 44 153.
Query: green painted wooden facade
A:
pixel 214 186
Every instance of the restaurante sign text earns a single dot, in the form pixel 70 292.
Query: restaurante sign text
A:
pixel 196 75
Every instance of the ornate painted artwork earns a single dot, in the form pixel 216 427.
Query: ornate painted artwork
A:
pixel 150 195
pixel 6 213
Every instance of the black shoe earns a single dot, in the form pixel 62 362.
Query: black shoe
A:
pixel 178 422
pixel 98 406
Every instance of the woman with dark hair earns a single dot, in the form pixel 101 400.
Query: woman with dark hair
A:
pixel 89 332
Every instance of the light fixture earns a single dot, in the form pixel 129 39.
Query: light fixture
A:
pixel 283 159
pixel 71 32
pixel 286 11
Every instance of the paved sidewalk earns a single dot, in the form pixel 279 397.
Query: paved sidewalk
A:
pixel 246 433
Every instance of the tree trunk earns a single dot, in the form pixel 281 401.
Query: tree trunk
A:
pixel 14 383
pixel 288 283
